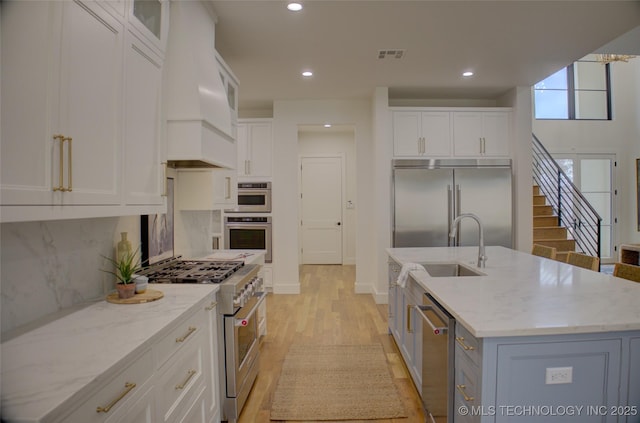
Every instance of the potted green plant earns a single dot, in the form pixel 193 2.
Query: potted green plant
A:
pixel 125 268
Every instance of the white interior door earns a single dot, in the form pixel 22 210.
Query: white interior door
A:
pixel 321 210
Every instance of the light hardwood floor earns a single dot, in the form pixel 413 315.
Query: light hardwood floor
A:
pixel 327 311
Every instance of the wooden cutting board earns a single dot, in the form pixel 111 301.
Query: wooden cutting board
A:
pixel 146 297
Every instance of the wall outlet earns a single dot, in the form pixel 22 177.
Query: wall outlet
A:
pixel 558 375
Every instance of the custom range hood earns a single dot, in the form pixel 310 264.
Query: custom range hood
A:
pixel 199 129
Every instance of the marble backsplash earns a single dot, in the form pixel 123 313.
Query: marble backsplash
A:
pixel 47 267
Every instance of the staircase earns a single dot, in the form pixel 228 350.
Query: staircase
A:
pixel 563 219
pixel 546 228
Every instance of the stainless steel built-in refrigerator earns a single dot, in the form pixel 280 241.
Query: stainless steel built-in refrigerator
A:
pixel 429 194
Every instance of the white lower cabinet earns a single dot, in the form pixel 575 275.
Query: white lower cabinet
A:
pixel 181 378
pixel 139 409
pixel 212 394
pixel 175 381
pixel 128 392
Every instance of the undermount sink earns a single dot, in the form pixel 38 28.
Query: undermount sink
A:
pixel 443 270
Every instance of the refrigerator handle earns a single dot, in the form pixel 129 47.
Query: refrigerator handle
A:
pixel 450 216
pixel 457 213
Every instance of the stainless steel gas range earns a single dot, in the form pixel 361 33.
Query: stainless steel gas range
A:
pixel 241 294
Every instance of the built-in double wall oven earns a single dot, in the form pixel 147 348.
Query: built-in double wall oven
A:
pixel 248 233
pixel 248 226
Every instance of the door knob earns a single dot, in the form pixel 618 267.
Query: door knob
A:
pixel 338 223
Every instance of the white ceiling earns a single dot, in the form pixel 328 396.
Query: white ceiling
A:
pixel 506 43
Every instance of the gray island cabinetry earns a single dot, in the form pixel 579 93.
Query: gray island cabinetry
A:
pixel 535 339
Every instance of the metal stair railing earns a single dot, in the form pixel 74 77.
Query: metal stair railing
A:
pixel 573 210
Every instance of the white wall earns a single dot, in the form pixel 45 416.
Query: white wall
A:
pixel 287 116
pixel 621 137
pixel 324 143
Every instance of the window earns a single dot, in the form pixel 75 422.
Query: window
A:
pixel 579 91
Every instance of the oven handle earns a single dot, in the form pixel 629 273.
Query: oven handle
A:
pixel 242 319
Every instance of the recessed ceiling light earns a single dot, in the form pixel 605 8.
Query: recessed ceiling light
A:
pixel 467 73
pixel 294 7
pixel 307 74
pixel 327 125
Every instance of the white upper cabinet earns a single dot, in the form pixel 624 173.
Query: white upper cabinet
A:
pixel 144 153
pixel 207 189
pixel 421 133
pixel 255 148
pixel 451 132
pixel 65 66
pixel 481 133
pixel 150 20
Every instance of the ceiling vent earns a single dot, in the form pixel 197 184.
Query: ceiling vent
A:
pixel 391 54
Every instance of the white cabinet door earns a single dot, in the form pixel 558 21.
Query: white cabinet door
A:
pixel 62 68
pixel 90 103
pixel 143 153
pixel 139 409
pixel 407 134
pixel 211 360
pixel 422 133
pixel 207 189
pixel 150 20
pixel 436 133
pixel 467 133
pixel 481 133
pixel 27 137
pixel 255 149
pixel 261 149
pixel 496 133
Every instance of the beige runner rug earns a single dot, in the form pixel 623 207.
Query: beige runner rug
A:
pixel 336 382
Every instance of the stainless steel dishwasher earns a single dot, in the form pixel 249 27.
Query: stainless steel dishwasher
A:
pixel 438 336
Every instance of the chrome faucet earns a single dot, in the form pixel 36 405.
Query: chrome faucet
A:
pixel 482 258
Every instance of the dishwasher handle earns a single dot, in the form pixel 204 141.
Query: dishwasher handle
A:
pixel 437 330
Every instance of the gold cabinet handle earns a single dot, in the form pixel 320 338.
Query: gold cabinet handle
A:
pixel 69 187
pixel 186 335
pixel 190 374
pixel 461 389
pixel 164 179
pixel 409 307
pixel 211 306
pixel 228 187
pixel 460 340
pixel 60 138
pixel 127 388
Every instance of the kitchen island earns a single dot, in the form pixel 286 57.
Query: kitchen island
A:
pixel 536 339
pixel 117 362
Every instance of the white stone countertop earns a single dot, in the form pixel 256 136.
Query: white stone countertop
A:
pixel 50 366
pixel 525 295
pixel 248 256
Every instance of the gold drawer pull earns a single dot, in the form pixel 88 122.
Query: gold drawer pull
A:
pixel 128 387
pixel 461 389
pixel 211 306
pixel 460 340
pixel 188 334
pixel 60 138
pixel 69 188
pixel 190 374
